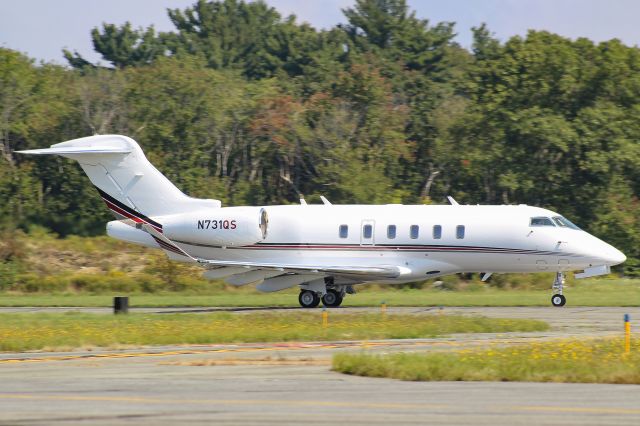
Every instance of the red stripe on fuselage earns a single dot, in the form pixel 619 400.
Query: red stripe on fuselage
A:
pixel 167 246
pixel 378 247
pixel 126 214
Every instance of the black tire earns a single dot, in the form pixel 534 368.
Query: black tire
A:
pixel 332 299
pixel 558 300
pixel 308 299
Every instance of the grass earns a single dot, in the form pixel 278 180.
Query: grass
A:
pixel 572 361
pixel 618 292
pixel 21 332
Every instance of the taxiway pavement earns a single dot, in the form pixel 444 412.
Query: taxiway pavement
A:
pixel 291 383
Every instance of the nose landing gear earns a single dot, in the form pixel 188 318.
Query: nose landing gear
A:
pixel 558 298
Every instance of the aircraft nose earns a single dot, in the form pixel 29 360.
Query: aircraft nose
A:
pixel 613 256
pixel 617 257
pixel 602 251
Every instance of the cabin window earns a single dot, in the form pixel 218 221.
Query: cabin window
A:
pixel 344 231
pixel 391 232
pixel 367 231
pixel 437 232
pixel 564 222
pixel 541 221
pixel 460 232
pixel 414 232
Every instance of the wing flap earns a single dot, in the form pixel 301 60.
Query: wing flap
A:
pixel 352 271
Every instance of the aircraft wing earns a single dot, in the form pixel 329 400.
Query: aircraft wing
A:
pixel 367 272
pixel 377 272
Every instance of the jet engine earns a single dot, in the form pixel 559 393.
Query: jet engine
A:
pixel 227 226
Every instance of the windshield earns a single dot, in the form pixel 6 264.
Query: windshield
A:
pixel 564 222
pixel 541 221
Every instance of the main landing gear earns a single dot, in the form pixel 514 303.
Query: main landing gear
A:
pixel 310 299
pixel 332 298
pixel 558 299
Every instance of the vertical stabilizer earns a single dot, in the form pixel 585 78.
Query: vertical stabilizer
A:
pixel 128 183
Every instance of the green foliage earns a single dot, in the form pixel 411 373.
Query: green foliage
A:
pixel 386 27
pixel 85 283
pixel 243 105
pixel 229 34
pixel 122 46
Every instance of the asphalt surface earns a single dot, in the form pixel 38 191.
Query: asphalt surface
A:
pixel 292 383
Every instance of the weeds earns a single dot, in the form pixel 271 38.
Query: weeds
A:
pixel 575 361
pixel 20 332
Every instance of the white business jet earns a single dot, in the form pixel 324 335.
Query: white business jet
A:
pixel 326 249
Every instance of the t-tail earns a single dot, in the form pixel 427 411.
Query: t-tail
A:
pixel 128 183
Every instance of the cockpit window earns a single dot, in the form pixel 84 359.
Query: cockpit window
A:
pixel 564 222
pixel 541 221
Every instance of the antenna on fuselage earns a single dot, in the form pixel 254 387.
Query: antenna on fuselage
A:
pixel 303 202
pixel 325 201
pixel 452 201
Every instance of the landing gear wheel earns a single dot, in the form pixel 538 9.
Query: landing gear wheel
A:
pixel 308 299
pixel 332 299
pixel 558 300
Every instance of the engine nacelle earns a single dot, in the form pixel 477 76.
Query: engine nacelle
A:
pixel 227 226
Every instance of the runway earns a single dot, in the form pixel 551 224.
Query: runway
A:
pixel 291 383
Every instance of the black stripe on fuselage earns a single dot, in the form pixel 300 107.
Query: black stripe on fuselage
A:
pixel 127 209
pixel 167 246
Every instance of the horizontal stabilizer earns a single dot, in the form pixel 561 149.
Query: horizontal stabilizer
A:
pixel 64 150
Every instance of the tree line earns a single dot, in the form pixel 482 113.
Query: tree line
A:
pixel 242 104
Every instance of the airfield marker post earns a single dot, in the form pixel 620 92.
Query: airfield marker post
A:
pixel 120 305
pixel 325 317
pixel 627 334
pixel 383 308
